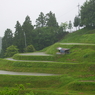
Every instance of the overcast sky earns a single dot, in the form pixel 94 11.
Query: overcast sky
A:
pixel 12 11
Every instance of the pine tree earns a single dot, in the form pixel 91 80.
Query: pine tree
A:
pixel 19 37
pixel 41 20
pixel 51 20
pixel 27 29
pixel 7 40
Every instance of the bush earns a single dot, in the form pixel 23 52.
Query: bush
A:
pixel 30 48
pixel 11 50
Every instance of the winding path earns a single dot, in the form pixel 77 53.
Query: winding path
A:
pixel 36 53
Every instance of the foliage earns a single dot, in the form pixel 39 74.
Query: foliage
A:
pixel 11 50
pixel 51 20
pixel 19 40
pixel 15 91
pixel 70 26
pixel 76 22
pixel 46 33
pixel 30 48
pixel 27 29
pixel 41 20
pixel 64 26
pixel 88 13
pixel 7 40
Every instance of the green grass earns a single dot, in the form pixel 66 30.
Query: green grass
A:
pixel 33 57
pixel 77 69
pixel 48 85
pixel 84 35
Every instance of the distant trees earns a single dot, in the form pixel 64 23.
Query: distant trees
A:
pixel 28 38
pixel 7 40
pixel 88 13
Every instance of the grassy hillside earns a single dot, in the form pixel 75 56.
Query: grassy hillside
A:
pixel 85 35
pixel 76 70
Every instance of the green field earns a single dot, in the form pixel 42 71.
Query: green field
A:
pixel 76 70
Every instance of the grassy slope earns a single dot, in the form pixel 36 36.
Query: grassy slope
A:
pixel 77 68
pixel 84 35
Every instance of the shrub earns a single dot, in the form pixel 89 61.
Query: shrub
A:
pixel 11 50
pixel 30 48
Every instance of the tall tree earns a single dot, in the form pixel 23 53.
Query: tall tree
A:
pixel 76 22
pixel 41 21
pixel 27 29
pixel 7 40
pixel 88 13
pixel 19 40
pixel 51 20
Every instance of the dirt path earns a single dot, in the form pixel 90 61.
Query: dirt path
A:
pixel 25 73
pixel 36 53
pixel 76 44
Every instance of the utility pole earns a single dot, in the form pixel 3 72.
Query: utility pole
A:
pixel 78 9
pixel 79 14
pixel 25 39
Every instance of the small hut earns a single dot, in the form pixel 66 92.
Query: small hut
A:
pixel 63 50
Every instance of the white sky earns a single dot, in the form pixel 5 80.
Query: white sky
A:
pixel 16 10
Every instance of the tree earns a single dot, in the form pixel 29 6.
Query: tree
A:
pixel 51 20
pixel 70 25
pixel 27 29
pixel 11 50
pixel 19 37
pixel 88 13
pixel 41 21
pixel 64 26
pixel 76 22
pixel 7 40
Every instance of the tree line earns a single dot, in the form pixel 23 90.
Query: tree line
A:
pixel 86 16
pixel 45 32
